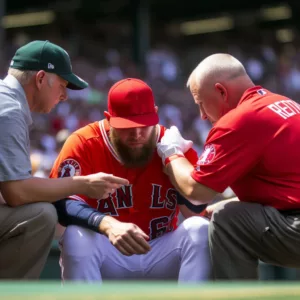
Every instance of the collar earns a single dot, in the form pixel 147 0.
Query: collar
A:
pixel 249 93
pixel 15 85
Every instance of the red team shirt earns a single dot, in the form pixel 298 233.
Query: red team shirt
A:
pixel 254 149
pixel 150 201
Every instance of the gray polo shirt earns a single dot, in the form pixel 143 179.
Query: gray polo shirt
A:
pixel 15 119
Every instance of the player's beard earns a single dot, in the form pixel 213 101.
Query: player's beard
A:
pixel 134 157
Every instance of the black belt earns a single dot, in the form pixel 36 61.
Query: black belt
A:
pixel 290 212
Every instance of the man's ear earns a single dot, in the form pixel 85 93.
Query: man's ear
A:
pixel 156 109
pixel 40 77
pixel 222 90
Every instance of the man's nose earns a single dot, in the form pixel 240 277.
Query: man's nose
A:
pixel 136 132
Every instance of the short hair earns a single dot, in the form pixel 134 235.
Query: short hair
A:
pixel 219 64
pixel 23 76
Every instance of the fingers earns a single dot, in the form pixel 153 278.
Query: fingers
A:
pixel 135 244
pixel 114 179
pixel 143 234
pixel 122 250
pixel 129 239
pixel 105 195
pixel 174 129
pixel 130 244
pixel 141 241
pixel 187 145
pixel 114 185
pixel 203 213
pixel 109 190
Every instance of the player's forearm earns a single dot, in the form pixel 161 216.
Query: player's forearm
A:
pixel 37 189
pixel 179 171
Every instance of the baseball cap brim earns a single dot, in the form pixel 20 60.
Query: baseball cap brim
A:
pixel 75 82
pixel 134 121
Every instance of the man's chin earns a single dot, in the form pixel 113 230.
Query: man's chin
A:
pixel 136 163
pixel 136 159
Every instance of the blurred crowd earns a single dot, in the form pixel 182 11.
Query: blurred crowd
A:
pixel 274 65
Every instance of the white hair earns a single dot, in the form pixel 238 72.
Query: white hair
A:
pixel 50 79
pixel 24 76
pixel 217 65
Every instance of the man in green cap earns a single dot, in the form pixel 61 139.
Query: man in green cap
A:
pixel 39 74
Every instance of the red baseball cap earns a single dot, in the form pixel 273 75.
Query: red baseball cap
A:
pixel 131 104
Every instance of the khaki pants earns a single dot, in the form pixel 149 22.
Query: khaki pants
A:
pixel 241 234
pixel 26 234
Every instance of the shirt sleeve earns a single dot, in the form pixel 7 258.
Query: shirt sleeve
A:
pixel 192 156
pixel 73 160
pixel 14 147
pixel 228 155
pixel 78 213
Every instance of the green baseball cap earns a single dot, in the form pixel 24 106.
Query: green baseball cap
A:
pixel 43 55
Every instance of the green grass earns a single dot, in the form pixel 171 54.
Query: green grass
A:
pixel 149 290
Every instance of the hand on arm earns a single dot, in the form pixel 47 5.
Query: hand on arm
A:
pixel 179 169
pixel 172 145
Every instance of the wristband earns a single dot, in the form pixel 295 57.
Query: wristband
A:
pixel 95 220
pixel 170 158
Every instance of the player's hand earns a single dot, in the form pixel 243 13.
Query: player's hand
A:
pixel 208 211
pixel 100 185
pixel 173 143
pixel 128 238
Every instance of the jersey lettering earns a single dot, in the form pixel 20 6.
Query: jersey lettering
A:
pixel 156 203
pixel 169 202
pixel 124 197
pixel 285 108
pixel 158 227
pixel 171 199
pixel 107 206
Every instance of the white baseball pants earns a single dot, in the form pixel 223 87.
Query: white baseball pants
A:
pixel 181 255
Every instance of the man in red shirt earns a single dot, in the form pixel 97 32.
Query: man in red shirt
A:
pixel 253 148
pixel 140 238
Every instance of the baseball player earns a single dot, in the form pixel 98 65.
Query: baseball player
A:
pixel 132 233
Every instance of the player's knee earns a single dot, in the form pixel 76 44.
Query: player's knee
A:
pixel 46 214
pixel 196 229
pixel 224 212
pixel 79 241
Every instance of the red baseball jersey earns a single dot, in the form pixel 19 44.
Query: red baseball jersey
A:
pixel 254 149
pixel 150 201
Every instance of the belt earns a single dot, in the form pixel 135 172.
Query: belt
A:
pixel 290 212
